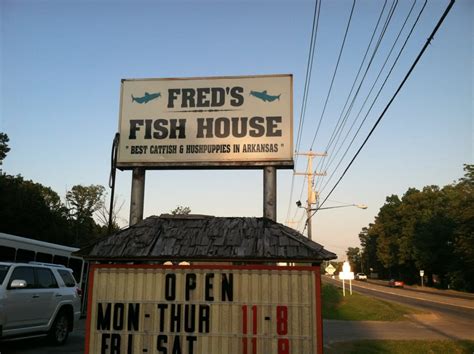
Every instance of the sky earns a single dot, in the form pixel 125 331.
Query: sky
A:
pixel 62 62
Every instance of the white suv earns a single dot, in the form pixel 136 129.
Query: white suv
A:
pixel 38 299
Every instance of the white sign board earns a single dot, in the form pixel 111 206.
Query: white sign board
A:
pixel 136 309
pixel 422 272
pixel 346 275
pixel 233 122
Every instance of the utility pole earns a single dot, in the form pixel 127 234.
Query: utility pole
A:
pixel 311 194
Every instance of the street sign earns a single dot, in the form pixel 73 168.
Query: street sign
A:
pixel 330 269
pixel 346 275
pixel 422 273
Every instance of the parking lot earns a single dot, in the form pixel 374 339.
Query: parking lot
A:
pixel 74 344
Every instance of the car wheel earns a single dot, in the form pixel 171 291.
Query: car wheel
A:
pixel 59 330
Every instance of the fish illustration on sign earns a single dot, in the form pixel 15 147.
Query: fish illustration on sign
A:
pixel 147 98
pixel 264 96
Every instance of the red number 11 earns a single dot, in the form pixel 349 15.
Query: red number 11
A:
pixel 245 330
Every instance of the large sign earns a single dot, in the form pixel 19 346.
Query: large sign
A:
pixel 204 310
pixel 235 122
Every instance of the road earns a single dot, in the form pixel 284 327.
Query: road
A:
pixel 461 306
pixel 444 317
pixel 74 345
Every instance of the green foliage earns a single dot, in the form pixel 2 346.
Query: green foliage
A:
pixel 431 229
pixel 85 200
pixel 357 307
pixel 181 210
pixel 353 256
pixel 30 209
pixel 4 149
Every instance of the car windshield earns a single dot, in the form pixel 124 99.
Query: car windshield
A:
pixel 3 272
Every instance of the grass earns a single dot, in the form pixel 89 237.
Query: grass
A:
pixel 357 307
pixel 401 347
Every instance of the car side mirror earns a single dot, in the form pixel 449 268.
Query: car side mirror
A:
pixel 18 284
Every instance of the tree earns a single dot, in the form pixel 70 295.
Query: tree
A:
pixel 369 261
pixel 387 226
pixel 430 229
pixel 32 210
pixel 181 210
pixel 353 256
pixel 4 149
pixel 103 213
pixel 83 202
pixel 461 208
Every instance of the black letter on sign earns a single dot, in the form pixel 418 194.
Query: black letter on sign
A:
pixel 191 340
pixel 170 287
pixel 161 129
pixel 118 316
pixel 115 343
pixel 130 344
pixel 189 318
pixel 204 318
pixel 222 127
pixel 202 101
pixel 217 97
pixel 227 287
pixel 238 99
pixel 134 127
pixel 257 124
pixel 161 344
pixel 175 318
pixel 272 125
pixel 133 317
pixel 162 308
pixel 103 320
pixel 103 344
pixel 181 128
pixel 204 127
pixel 176 346
pixel 190 284
pixel 188 98
pixel 208 289
pixel 172 95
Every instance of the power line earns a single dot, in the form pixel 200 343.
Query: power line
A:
pixel 379 91
pixel 430 38
pixel 358 73
pixel 309 69
pixel 368 95
pixel 375 51
pixel 334 74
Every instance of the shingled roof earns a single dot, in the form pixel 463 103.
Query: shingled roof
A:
pixel 207 238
